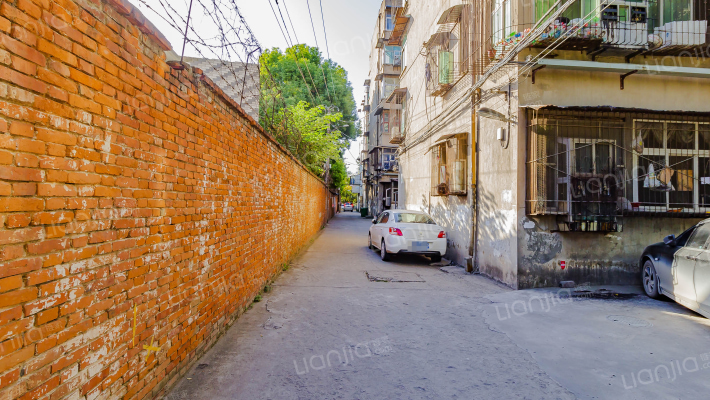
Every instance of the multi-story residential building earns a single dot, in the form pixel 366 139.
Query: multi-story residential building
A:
pixel 555 140
pixel 382 122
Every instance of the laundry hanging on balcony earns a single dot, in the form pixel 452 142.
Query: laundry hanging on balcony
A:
pixel 660 181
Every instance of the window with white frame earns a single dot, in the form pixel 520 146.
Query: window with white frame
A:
pixel 389 22
pixel 501 20
pixel 388 159
pixel 671 170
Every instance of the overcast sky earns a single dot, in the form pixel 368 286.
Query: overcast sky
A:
pixel 349 25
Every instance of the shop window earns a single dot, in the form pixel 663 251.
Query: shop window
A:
pixel 449 164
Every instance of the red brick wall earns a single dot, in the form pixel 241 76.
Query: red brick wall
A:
pixel 126 184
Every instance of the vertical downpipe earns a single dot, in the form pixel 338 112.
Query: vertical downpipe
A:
pixel 472 265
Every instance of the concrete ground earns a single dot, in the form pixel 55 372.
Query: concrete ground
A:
pixel 326 331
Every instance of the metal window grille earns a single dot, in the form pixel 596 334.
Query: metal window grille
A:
pixel 591 167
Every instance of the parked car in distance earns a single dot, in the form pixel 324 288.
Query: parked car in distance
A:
pixel 348 207
pixel 405 231
pixel 679 268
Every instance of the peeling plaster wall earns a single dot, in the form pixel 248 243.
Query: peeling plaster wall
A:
pixel 499 197
pixel 595 258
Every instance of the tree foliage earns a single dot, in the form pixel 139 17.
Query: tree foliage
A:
pixel 314 119
pixel 307 133
pixel 300 78
pixel 347 195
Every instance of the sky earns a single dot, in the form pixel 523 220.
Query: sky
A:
pixel 349 26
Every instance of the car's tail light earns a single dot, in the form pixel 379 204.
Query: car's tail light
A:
pixel 395 231
pixel 442 235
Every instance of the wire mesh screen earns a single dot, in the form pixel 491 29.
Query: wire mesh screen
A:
pixel 591 167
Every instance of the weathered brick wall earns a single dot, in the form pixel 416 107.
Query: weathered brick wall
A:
pixel 126 185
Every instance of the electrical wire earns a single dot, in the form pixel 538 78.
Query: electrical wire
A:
pixel 310 14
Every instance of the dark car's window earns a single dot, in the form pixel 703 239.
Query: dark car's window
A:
pixel 413 218
pixel 699 237
pixel 385 218
pixel 682 239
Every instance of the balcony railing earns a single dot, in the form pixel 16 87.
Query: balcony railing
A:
pixel 646 27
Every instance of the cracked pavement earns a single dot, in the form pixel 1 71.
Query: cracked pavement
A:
pixel 326 331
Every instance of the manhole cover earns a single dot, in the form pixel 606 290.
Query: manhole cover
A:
pixel 630 321
pixel 384 276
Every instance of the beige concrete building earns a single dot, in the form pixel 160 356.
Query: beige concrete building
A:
pixel 381 122
pixel 553 141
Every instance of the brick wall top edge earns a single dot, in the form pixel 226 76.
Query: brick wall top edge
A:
pixel 213 86
pixel 125 8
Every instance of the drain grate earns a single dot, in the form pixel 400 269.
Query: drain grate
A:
pixel 630 321
pixel 602 294
pixel 394 276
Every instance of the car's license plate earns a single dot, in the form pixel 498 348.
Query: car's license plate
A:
pixel 420 246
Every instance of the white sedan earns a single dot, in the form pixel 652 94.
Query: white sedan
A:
pixel 348 207
pixel 404 231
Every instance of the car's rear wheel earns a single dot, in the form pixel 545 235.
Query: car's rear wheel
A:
pixel 384 255
pixel 650 280
pixel 435 258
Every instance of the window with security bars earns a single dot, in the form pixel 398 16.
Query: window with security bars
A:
pixel 590 167
pixel 671 166
pixel 574 166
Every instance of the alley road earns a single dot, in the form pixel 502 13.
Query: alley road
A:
pixel 327 331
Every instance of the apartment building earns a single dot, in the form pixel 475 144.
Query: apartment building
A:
pixel 382 119
pixel 554 140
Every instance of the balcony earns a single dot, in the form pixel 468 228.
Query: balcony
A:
pixel 401 20
pixel 396 127
pixel 383 39
pixel 621 28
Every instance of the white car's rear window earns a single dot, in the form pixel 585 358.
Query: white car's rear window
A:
pixel 412 218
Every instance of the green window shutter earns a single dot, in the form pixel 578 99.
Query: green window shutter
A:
pixel 446 59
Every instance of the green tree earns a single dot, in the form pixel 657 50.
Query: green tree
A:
pixel 347 195
pixel 339 173
pixel 297 75
pixel 307 132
